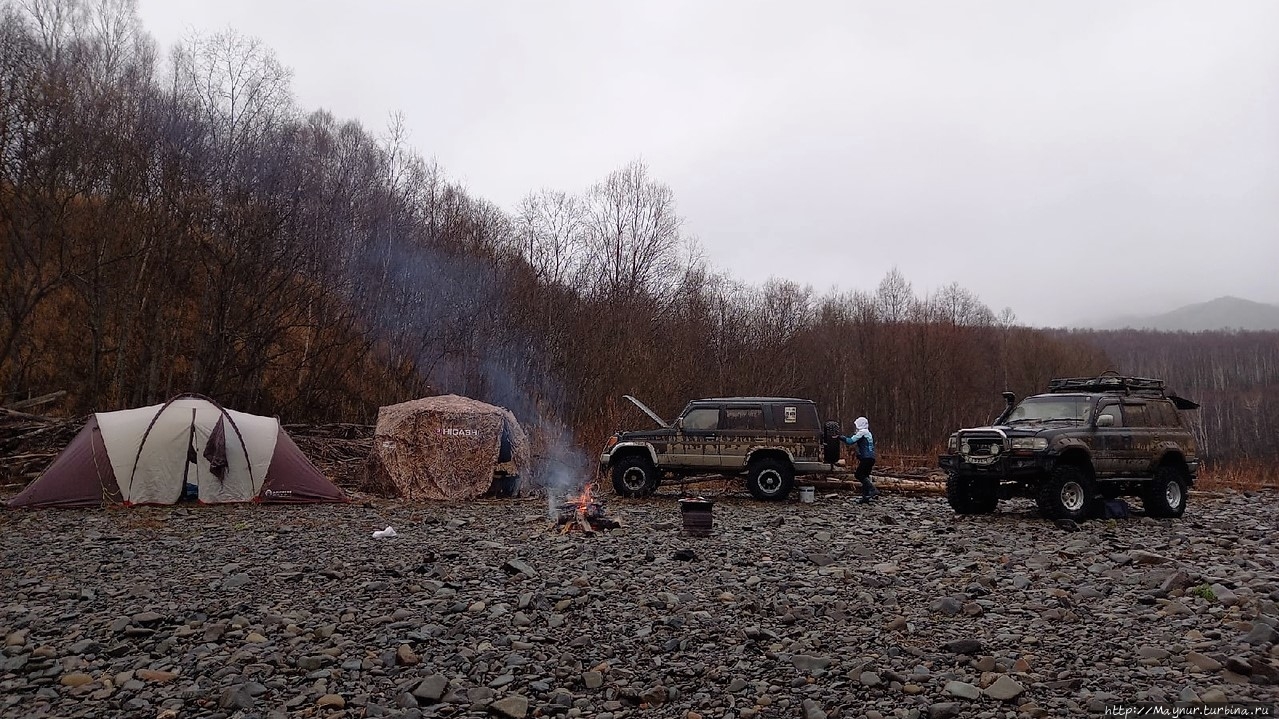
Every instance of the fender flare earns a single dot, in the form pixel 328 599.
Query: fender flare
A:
pixel 751 454
pixel 623 447
pixel 1071 445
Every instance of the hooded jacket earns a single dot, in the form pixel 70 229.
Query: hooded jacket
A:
pixel 863 440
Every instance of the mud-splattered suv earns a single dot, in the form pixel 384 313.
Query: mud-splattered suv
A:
pixel 768 439
pixel 1085 440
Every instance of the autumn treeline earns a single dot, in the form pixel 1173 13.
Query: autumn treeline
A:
pixel 1234 375
pixel 175 223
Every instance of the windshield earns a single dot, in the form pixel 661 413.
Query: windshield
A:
pixel 1045 409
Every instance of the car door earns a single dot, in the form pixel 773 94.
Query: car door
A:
pixel 1141 435
pixel 743 428
pixel 697 441
pixel 1163 421
pixel 1108 444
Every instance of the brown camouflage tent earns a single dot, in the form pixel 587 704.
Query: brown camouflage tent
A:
pixel 446 448
pixel 187 448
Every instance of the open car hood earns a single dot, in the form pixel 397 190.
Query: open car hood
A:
pixel 1182 402
pixel 647 411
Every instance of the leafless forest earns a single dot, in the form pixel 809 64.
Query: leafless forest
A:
pixel 172 222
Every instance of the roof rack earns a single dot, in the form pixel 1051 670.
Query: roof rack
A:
pixel 1108 383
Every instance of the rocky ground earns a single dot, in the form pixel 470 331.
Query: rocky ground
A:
pixel 792 610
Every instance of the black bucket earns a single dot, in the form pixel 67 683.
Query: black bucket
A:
pixel 697 516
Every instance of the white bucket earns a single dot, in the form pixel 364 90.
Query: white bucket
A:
pixel 806 495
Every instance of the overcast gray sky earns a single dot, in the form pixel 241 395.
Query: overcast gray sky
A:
pixel 1031 151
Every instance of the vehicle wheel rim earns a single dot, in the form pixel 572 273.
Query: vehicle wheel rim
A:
pixel 635 479
pixel 770 481
pixel 1172 494
pixel 1072 496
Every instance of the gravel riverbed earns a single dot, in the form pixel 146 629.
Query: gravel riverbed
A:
pixel 830 609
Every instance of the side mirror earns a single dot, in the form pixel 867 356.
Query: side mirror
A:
pixel 1106 420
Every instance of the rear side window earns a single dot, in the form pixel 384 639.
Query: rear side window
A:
pixel 744 418
pixel 801 417
pixel 1163 414
pixel 1135 416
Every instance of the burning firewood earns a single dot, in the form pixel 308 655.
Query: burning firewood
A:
pixel 585 512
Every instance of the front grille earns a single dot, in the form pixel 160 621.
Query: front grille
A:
pixel 981 449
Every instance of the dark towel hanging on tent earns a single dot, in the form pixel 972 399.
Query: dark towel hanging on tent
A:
pixel 215 450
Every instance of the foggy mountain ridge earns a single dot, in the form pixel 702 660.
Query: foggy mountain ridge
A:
pixel 1222 313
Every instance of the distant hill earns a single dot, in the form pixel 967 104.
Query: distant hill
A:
pixel 1223 313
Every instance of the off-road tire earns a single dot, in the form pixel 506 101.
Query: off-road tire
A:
pixel 1166 497
pixel 634 476
pixel 966 496
pixel 1066 494
pixel 770 479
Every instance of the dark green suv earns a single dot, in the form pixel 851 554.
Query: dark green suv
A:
pixel 768 440
pixel 1085 440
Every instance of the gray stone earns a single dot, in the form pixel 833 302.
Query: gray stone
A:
pixel 1177 581
pixel 809 663
pixel 511 707
pixel 963 646
pixel 312 662
pixel 1202 662
pixel 1005 688
pixel 1261 634
pixel 870 679
pixel 432 688
pixel 813 710
pixel 519 566
pixel 949 606
pixel 943 710
pixel 235 698
pixel 235 581
pixel 1224 595
pixel 593 679
pixel 963 690
pixel 482 696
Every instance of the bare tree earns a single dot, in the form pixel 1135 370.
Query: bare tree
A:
pixel 633 232
pixel 239 85
pixel 894 298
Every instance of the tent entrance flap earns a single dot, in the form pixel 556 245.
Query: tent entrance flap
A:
pixel 189 482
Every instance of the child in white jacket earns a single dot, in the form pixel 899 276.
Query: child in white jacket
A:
pixel 865 450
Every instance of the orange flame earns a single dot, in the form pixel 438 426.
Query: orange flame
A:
pixel 583 500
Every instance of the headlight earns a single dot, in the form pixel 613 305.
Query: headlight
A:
pixel 1031 443
pixel 952 444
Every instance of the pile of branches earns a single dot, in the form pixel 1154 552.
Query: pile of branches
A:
pixel 30 442
pixel 338 450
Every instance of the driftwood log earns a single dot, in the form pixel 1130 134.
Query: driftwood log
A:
pixel 339 450
pixel 29 443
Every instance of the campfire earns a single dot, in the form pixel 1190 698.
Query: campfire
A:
pixel 584 513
